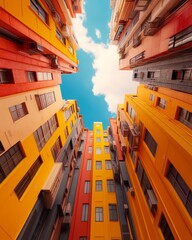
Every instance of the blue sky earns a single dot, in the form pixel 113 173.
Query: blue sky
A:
pixel 99 85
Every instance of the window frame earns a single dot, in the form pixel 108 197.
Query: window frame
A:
pixel 99 215
pixel 18 111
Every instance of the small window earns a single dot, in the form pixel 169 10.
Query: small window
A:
pixel 131 112
pixel 60 36
pixel 97 131
pixel 151 97
pixel 151 143
pixel 28 177
pixel 165 229
pixel 153 74
pixel 39 10
pixel 70 49
pixel 161 103
pixel 44 100
pixel 99 214
pixel 89 149
pixel 110 185
pixel 113 212
pixel 87 187
pixel 98 165
pixel 66 132
pixel 98 139
pixel 89 165
pixel 106 149
pixel 6 76
pixel 105 139
pixel 98 185
pixel 31 76
pixel 177 75
pixel 85 211
pixel 82 238
pixel 56 148
pixel 98 150
pixel 108 164
pixel 185 117
pixel 18 111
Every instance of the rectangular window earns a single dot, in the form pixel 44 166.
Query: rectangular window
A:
pixel 43 76
pixel 108 164
pixel 55 150
pixel 44 132
pixel 185 117
pixel 182 74
pixel 60 36
pixel 85 211
pixel 98 139
pixel 181 187
pixel 68 112
pixel 18 111
pixel 147 188
pixel 110 185
pixel 87 187
pixel 66 132
pixel 151 143
pixel 6 76
pixel 153 74
pixel 9 160
pixel 44 100
pixel 113 212
pixel 99 214
pixel 131 112
pixel 70 49
pixel 98 150
pixel 165 229
pixel 97 131
pixel 98 185
pixel 28 177
pixel 106 149
pixel 31 76
pixel 151 97
pixel 89 149
pixel 98 165
pixel 105 139
pixel 161 103
pixel 83 238
pixel 89 165
pixel 39 10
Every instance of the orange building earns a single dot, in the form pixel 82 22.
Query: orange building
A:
pixel 154 40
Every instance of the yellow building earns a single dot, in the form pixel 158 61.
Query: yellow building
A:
pixel 104 209
pixel 155 131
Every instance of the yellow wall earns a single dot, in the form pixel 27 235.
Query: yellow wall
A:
pixel 174 145
pixel 14 212
pixel 22 11
pixel 106 229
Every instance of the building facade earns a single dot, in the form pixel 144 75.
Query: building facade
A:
pixel 154 129
pixel 154 40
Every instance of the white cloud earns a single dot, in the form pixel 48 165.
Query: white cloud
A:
pixel 108 79
pixel 98 33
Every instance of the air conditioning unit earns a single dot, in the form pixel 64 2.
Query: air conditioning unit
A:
pixel 152 200
pixel 132 191
pixel 35 48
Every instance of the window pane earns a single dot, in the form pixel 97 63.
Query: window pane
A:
pixel 98 214
pixel 113 212
pixel 108 164
pixel 98 165
pixel 98 186
pixel 85 210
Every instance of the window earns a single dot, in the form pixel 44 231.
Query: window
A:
pixel 60 36
pixel 44 100
pixel 9 160
pixel 131 112
pixel 39 10
pixel 28 177
pixel 113 212
pixel 70 49
pixel 181 187
pixel 98 165
pixel 151 143
pixel 133 156
pixel 165 229
pixel 99 214
pixel 110 185
pixel 106 149
pixel 91 139
pixel 89 149
pixel 108 164
pixel 83 238
pixel 98 150
pixel 151 97
pixel 69 112
pixel 105 139
pixel 87 187
pixel 98 185
pixel 153 74
pixel 147 188
pixel 161 103
pixel 42 76
pixel 85 211
pixel 183 74
pixel 98 139
pixel 44 132
pixel 66 132
pixel 56 148
pixel 18 111
pixel 89 165
pixel 97 131
pixel 185 117
pixel 31 76
pixel 6 76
